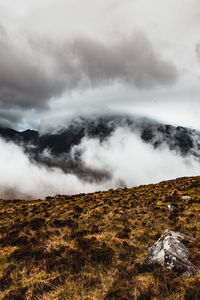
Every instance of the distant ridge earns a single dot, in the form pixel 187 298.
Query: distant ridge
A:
pixel 184 141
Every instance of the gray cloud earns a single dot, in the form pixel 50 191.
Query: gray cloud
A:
pixel 23 81
pixel 86 63
pixel 129 61
pixel 10 117
pixel 29 78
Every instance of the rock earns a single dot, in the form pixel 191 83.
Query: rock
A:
pixel 170 252
pixel 171 207
pixel 185 197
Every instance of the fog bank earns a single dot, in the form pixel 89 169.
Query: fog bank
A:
pixel 128 160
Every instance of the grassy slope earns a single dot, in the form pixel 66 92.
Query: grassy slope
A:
pixel 92 246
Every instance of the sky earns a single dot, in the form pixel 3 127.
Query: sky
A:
pixel 63 58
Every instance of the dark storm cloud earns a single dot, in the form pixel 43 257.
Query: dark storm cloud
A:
pixel 23 82
pixel 29 78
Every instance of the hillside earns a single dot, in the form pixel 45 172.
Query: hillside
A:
pixel 92 246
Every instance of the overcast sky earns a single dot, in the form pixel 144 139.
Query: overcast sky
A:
pixel 61 58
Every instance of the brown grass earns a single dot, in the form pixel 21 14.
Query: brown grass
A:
pixel 92 246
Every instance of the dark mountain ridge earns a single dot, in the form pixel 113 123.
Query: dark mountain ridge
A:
pixel 54 149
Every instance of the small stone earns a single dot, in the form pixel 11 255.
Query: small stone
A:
pixel 171 207
pixel 185 197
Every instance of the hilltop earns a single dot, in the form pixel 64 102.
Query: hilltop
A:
pixel 92 246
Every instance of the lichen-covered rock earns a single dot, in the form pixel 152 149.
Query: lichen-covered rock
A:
pixel 169 251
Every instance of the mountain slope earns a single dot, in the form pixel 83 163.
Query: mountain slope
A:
pixel 92 246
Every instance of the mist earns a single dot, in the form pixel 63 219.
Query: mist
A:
pixel 128 160
pixel 134 162
pixel 22 179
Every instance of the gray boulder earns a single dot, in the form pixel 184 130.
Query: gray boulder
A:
pixel 170 252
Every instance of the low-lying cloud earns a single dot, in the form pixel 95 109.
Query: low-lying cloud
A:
pixel 123 155
pixel 20 178
pixel 133 162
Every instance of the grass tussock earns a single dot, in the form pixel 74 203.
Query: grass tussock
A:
pixel 92 246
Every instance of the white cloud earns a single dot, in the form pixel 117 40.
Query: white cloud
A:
pixel 20 178
pixel 134 162
pixel 129 161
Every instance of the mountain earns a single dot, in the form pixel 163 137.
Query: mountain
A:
pixel 94 246
pixel 54 149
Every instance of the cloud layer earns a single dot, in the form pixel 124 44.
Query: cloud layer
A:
pixel 30 78
pixel 52 53
pixel 127 159
pixel 23 179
